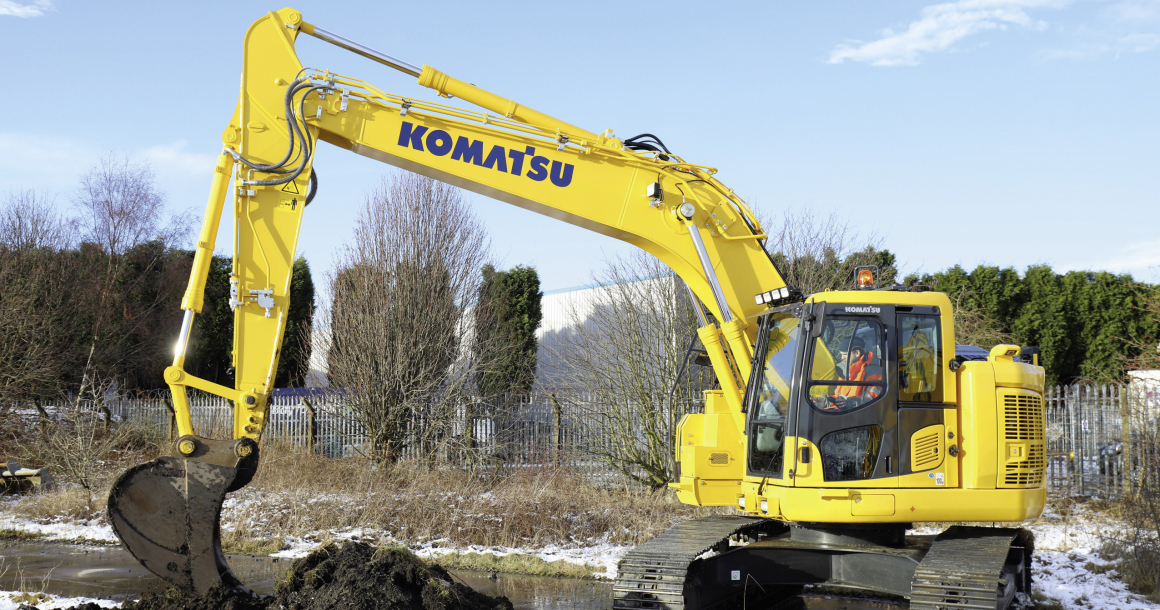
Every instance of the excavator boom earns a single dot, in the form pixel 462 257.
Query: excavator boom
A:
pixel 635 190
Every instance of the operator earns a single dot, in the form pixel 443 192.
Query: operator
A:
pixel 860 367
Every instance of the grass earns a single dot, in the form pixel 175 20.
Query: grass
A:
pixel 299 495
pixel 16 534
pixel 251 546
pixel 68 502
pixel 1043 602
pixel 29 597
pixel 513 564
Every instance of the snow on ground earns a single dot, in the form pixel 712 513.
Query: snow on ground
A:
pixel 1066 548
pixel 91 532
pixel 8 601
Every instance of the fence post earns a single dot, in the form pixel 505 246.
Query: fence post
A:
pixel 172 419
pixel 1125 441
pixel 558 437
pixel 311 421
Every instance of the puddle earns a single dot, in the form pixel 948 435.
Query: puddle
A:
pixel 107 572
pixel 110 572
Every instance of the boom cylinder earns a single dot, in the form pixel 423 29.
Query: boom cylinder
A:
pixel 453 87
pixel 203 253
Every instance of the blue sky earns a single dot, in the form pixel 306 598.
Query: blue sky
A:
pixel 1008 132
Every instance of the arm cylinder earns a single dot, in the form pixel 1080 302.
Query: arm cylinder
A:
pixel 452 87
pixel 355 47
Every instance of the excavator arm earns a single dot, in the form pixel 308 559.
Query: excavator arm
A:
pixel 634 190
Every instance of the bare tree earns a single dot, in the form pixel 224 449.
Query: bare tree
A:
pixel 121 219
pixel 974 327
pixel 29 221
pixel 616 366
pixel 120 205
pixel 400 312
pixel 818 254
pixel 34 305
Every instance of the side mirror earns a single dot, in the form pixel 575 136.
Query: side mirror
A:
pixel 818 319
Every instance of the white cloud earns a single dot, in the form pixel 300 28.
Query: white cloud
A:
pixel 175 157
pixel 941 26
pixel 15 9
pixel 1131 43
pixel 1136 11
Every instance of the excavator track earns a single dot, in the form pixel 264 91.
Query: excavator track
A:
pixel 973 567
pixel 655 575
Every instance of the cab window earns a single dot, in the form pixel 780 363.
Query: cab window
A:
pixel 847 370
pixel 919 359
pixel 766 451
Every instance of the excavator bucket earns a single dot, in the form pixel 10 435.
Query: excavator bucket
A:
pixel 167 511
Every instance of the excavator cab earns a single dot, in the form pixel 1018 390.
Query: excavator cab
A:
pixel 848 382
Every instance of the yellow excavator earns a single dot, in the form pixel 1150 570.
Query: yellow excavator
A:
pixel 842 417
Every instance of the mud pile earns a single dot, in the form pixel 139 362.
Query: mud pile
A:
pixel 360 577
pixel 355 576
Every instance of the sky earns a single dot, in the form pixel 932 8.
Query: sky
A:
pixel 1001 132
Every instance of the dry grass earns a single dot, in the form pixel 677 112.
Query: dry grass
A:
pixel 296 494
pixel 66 502
pixel 299 495
pixel 513 564
pixel 20 535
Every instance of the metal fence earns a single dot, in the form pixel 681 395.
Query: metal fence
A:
pixel 533 429
pixel 1101 439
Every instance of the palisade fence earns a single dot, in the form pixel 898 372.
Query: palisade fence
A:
pixel 1102 439
pixel 536 429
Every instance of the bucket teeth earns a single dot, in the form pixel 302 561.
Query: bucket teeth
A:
pixel 167 513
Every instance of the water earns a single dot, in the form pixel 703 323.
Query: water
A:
pixel 109 572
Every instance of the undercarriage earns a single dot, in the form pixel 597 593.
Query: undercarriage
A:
pixel 721 561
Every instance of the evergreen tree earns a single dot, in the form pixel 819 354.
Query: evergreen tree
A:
pixel 1086 324
pixel 507 316
pixel 294 361
pixel 210 354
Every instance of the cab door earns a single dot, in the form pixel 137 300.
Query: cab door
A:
pixel 846 424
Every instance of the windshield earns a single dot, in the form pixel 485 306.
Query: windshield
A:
pixel 773 394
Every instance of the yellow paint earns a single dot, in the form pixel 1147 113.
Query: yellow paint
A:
pixel 606 194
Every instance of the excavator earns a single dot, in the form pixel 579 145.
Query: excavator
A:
pixel 842 418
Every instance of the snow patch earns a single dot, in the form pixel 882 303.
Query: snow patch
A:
pixel 7 602
pixel 61 529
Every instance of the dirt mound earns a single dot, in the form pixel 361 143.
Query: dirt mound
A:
pixel 215 598
pixel 361 577
pixel 355 576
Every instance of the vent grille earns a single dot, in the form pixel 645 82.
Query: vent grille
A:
pixel 1028 473
pixel 1023 417
pixel 926 450
pixel 718 459
pixel 1023 423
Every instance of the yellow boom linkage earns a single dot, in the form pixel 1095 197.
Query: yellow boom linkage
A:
pixel 675 210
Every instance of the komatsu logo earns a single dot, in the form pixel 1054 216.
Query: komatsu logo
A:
pixel 440 143
pixel 864 309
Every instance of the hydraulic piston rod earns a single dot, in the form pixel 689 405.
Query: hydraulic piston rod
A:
pixel 365 51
